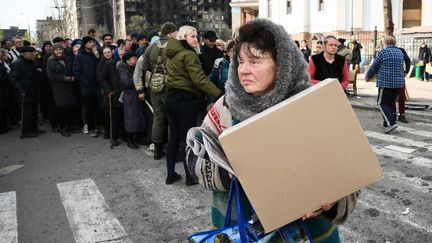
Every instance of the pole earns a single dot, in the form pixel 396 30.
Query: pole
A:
pixel 375 41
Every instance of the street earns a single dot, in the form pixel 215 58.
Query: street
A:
pixel 77 189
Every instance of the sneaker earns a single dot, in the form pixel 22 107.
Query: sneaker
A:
pixel 391 129
pixel 190 182
pixel 403 119
pixel 93 134
pixel 85 129
pixel 172 178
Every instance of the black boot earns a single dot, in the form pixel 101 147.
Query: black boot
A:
pixel 158 151
pixel 130 142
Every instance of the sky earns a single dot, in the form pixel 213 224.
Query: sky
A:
pixel 23 13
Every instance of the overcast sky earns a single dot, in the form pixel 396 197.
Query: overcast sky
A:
pixel 23 13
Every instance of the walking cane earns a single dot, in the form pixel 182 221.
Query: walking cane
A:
pixel 22 117
pixel 110 121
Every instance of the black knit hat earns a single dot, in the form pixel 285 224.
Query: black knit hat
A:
pixel 168 27
pixel 57 40
pixel 129 54
pixel 86 39
pixel 211 35
pixel 24 49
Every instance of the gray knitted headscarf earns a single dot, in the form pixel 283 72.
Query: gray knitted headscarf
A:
pixel 291 76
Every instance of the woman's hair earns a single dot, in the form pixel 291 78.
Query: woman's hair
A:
pixel 230 44
pixel 327 38
pixel 187 30
pixel 258 37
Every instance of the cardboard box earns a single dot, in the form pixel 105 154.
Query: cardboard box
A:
pixel 304 151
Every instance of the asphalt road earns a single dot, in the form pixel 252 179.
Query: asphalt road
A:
pixel 79 190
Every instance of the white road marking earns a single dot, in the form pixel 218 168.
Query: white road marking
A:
pixel 415 160
pixel 413 131
pixel 89 216
pixel 423 124
pixel 8 169
pixel 8 218
pixel 399 149
pixel 413 182
pixel 369 200
pixel 399 140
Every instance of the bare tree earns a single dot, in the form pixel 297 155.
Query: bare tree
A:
pixel 388 17
pixel 137 24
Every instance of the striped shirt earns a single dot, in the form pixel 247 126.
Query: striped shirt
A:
pixel 389 67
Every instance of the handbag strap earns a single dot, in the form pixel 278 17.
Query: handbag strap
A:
pixel 240 219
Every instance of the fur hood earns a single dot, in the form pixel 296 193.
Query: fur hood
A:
pixel 292 76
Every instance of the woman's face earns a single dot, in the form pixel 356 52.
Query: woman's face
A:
pixel 107 53
pixel 131 61
pixel 318 48
pixel 331 46
pixel 256 73
pixel 58 52
pixel 192 39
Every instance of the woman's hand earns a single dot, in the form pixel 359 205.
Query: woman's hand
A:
pixel 324 207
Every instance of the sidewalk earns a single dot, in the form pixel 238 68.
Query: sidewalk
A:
pixel 420 92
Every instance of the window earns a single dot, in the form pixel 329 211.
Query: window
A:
pixel 321 5
pixel 289 7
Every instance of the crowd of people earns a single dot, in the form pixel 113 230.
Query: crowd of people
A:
pixel 151 89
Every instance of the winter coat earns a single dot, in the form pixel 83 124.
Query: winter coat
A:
pixel 134 115
pixel 184 70
pixel 237 105
pixel 23 76
pixel 208 56
pixel 355 50
pixel 85 71
pixel 110 82
pixel 4 86
pixel 219 74
pixel 59 72
pixel 424 54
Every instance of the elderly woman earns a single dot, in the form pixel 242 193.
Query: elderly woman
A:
pixel 59 71
pixel 266 69
pixel 186 84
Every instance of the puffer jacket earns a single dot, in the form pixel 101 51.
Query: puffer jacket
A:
pixel 184 70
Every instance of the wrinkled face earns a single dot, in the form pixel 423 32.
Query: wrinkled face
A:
pixel 331 46
pixel 131 61
pixel 75 50
pixel 58 52
pixel 107 53
pixel 192 39
pixel 256 72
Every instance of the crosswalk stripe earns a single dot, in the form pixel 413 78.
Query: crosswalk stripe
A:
pixel 413 182
pixel 399 140
pixel 8 218
pixel 390 214
pixel 88 214
pixel 416 132
pixel 423 124
pixel 409 158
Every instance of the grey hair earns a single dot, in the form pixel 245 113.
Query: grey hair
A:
pixel 390 40
pixel 327 38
